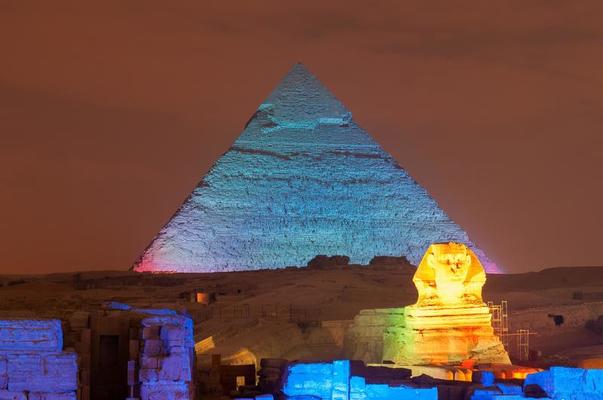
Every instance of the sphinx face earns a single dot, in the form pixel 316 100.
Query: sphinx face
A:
pixel 451 267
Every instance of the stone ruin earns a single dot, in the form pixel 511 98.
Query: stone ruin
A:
pixel 335 381
pixel 33 365
pixel 118 353
pixel 166 359
pixel 350 380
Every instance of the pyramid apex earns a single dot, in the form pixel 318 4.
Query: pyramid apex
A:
pixel 301 96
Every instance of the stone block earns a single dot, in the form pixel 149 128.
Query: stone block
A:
pixel 3 373
pixel 164 391
pixel 133 349
pixel 52 396
pixel 176 367
pixel 178 322
pixel 341 380
pixel 151 332
pixel 149 362
pixel 485 378
pixel 79 320
pixel 148 375
pixel 509 389
pixel 171 332
pixel 568 382
pixel 7 395
pixel 31 335
pixel 152 348
pixel 484 393
pixel 52 372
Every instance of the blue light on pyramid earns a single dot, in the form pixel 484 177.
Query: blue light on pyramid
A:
pixel 302 179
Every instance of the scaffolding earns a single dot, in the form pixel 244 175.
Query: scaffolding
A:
pixel 500 320
pixel 500 324
pixel 523 344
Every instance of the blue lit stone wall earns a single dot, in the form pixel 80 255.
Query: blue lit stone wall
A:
pixel 333 381
pixel 33 364
pixel 560 383
pixel 302 179
pixel 166 357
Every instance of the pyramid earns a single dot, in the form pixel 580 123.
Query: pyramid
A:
pixel 302 179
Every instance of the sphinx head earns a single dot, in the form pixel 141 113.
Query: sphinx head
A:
pixel 449 274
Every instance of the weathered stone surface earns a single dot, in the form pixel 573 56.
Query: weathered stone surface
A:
pixel 31 335
pixel 302 179
pixel 167 355
pixel 152 348
pixel 51 372
pixel 148 375
pixel 149 362
pixel 570 383
pixel 52 396
pixel 176 367
pixel 7 395
pixel 79 320
pixel 164 391
pixel 333 381
pixel 3 372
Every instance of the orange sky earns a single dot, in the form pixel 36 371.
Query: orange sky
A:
pixel 111 112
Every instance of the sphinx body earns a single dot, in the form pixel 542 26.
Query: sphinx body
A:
pixel 448 324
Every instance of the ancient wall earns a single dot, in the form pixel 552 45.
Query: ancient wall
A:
pixel 334 381
pixel 33 365
pixel 166 358
pixel 560 383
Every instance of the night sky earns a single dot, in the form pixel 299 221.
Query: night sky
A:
pixel 111 113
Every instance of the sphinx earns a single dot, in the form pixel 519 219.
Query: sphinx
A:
pixel 449 323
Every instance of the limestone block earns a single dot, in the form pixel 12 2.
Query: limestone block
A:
pixel 52 396
pixel 148 375
pixel 150 332
pixel 563 381
pixel 309 379
pixel 152 348
pixel 173 329
pixel 360 390
pixel 357 388
pixel 175 367
pixel 149 362
pixel 3 373
pixel 31 335
pixel 7 395
pixel 164 391
pixel 509 389
pixel 79 320
pixel 341 380
pixel 483 393
pixel 173 332
pixel 485 378
pixel 51 372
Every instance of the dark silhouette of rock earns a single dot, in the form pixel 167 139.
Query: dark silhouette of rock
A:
pixel 322 261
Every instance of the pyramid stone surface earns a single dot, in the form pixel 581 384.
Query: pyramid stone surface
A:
pixel 302 179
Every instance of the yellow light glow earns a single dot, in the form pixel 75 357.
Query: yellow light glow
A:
pixel 449 275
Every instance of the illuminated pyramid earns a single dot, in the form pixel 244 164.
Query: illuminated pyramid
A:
pixel 302 179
